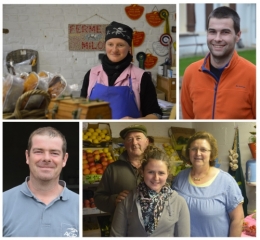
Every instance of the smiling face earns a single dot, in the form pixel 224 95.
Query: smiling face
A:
pixel 117 49
pixel 221 40
pixel 135 144
pixel 199 153
pixel 155 174
pixel 46 158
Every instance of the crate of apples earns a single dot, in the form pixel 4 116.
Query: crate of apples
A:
pixel 95 162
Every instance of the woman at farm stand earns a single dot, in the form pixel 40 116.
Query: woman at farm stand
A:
pixel 128 89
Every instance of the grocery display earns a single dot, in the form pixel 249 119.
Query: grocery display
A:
pixel 95 162
pixel 97 154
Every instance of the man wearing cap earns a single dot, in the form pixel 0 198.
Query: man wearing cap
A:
pixel 128 89
pixel 122 175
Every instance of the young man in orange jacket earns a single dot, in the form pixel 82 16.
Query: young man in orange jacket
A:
pixel 223 85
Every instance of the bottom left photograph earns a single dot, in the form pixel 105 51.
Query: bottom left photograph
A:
pixel 40 179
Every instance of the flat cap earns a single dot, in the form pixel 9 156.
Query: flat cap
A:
pixel 133 128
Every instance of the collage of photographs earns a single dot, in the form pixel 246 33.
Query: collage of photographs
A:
pixel 121 120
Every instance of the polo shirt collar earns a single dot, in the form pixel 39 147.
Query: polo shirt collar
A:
pixel 26 190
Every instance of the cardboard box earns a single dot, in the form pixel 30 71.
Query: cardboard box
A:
pixel 179 136
pixel 101 144
pixel 160 94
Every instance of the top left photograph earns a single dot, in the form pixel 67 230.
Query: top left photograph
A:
pixel 115 61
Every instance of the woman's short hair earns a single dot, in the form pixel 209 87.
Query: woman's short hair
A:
pixel 210 139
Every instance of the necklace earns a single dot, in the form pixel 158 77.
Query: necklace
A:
pixel 198 179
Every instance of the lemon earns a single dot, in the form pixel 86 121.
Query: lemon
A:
pixel 106 150
pixel 92 137
pixel 87 134
pixel 95 141
pixel 89 150
pixel 95 133
pixel 107 138
pixel 102 135
pixel 91 130
pixel 98 130
pixel 104 131
pixel 85 137
pixel 99 138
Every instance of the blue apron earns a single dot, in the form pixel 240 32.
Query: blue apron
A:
pixel 121 99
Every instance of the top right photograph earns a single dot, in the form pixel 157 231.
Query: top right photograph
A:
pixel 217 61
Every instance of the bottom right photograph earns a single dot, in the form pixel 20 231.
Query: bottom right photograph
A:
pixel 166 179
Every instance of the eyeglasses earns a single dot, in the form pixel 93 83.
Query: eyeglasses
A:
pixel 203 150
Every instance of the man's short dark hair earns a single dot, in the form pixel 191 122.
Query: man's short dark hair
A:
pixel 51 132
pixel 226 12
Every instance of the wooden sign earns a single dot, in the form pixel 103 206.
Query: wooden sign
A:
pixel 150 61
pixel 153 18
pixel 138 38
pixel 134 11
pixel 87 37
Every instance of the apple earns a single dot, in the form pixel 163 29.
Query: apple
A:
pixel 86 171
pixel 92 164
pixel 103 159
pixel 84 155
pixel 96 152
pixel 98 166
pixel 85 166
pixel 104 163
pixel 91 159
pixel 100 171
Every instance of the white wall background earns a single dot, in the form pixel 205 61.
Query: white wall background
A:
pixel 223 131
pixel 44 28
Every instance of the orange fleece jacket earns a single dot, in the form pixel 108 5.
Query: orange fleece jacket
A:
pixel 233 97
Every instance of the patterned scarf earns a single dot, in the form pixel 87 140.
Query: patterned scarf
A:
pixel 152 204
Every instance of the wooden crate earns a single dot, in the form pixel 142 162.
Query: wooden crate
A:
pixel 168 86
pixel 78 109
